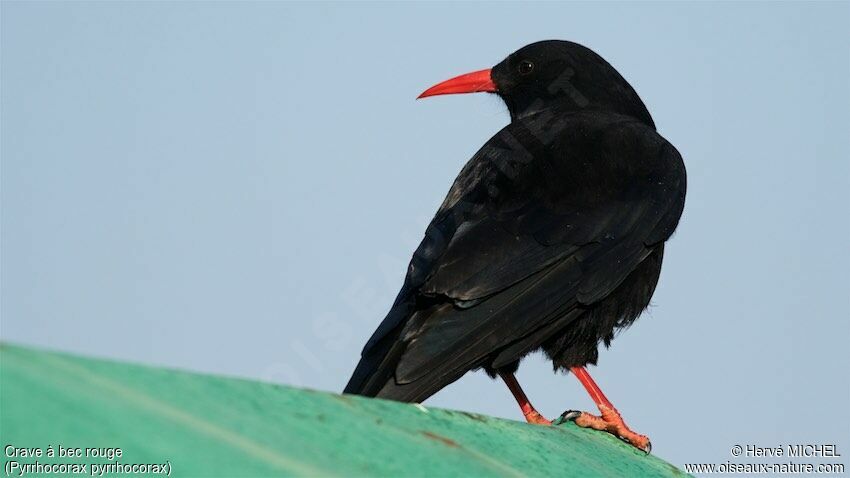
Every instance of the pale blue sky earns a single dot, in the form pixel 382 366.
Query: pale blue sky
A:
pixel 236 188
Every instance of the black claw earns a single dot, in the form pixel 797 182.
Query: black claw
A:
pixel 646 450
pixel 568 416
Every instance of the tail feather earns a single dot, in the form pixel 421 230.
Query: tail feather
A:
pixel 375 377
pixel 377 366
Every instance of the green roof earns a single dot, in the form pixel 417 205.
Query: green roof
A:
pixel 201 425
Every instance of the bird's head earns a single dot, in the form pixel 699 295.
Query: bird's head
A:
pixel 547 74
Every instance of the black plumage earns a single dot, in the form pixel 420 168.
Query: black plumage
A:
pixel 551 237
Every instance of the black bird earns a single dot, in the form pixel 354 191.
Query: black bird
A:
pixel 550 238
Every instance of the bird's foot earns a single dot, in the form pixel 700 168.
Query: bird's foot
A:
pixel 534 417
pixel 610 422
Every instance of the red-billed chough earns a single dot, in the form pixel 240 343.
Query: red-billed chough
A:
pixel 550 238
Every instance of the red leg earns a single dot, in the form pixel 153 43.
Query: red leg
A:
pixel 610 419
pixel 593 390
pixel 531 415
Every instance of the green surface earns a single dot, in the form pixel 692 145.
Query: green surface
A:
pixel 203 425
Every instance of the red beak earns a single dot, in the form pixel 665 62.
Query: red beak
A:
pixel 468 83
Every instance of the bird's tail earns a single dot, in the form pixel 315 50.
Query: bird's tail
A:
pixel 376 367
pixel 375 374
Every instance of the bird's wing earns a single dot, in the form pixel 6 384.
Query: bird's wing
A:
pixel 547 216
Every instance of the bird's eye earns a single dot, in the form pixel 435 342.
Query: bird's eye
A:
pixel 525 67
